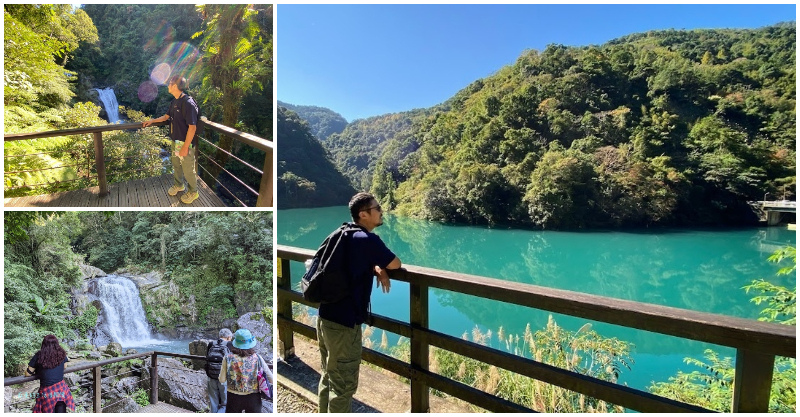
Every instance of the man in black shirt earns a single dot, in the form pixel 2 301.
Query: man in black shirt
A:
pixel 182 115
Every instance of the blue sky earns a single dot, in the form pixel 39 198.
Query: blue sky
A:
pixel 367 60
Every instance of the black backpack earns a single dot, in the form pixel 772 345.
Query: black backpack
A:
pixel 327 279
pixel 216 352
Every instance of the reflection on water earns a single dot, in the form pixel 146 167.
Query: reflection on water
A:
pixel 701 270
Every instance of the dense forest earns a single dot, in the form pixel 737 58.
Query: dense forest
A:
pixel 219 263
pixel 306 175
pixel 323 122
pixel 56 56
pixel 658 128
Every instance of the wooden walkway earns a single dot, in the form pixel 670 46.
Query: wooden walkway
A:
pixel 147 192
pixel 162 407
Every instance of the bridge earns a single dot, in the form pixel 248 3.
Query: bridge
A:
pixel 774 209
pixel 756 343
pixel 99 162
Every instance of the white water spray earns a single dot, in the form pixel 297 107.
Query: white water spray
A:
pixel 122 306
pixel 109 100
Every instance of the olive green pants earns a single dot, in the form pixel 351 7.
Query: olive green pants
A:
pixel 184 167
pixel 340 350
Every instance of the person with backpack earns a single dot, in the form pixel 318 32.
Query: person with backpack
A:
pixel 183 115
pixel 215 355
pixel 48 363
pixel 339 322
pixel 240 369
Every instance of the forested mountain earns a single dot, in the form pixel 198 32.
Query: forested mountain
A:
pixel 306 175
pixel 322 121
pixel 658 128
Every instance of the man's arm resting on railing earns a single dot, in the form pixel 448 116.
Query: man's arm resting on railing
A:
pixel 382 277
pixel 163 118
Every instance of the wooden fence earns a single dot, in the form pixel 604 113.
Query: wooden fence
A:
pixel 756 343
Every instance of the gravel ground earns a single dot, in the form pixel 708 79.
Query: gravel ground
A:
pixel 289 402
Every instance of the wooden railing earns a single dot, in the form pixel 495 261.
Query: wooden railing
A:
pixel 756 343
pixel 96 368
pixel 264 193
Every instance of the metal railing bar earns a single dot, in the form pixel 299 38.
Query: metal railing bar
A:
pixel 42 169
pixel 246 138
pixel 230 174
pixel 226 188
pixel 260 172
pixel 40 153
pixel 49 183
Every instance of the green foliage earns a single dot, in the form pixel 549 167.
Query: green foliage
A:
pixel 661 128
pixel 141 397
pixel 86 321
pixel 322 122
pixel 712 386
pixel 306 175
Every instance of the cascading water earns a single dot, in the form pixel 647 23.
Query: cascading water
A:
pixel 109 100
pixel 122 307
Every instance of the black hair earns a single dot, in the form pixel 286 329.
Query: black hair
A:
pixel 358 203
pixel 179 82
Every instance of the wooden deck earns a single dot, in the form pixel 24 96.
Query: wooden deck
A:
pixel 162 407
pixel 148 192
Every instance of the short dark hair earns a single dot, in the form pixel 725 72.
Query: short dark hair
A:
pixel 179 82
pixel 358 203
pixel 243 352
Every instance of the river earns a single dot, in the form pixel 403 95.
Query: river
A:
pixel 700 270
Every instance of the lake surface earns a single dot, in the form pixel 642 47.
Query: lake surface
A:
pixel 700 270
pixel 171 346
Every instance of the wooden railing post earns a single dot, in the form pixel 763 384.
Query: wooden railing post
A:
pixel 154 379
pixel 419 348
pixel 100 162
pixel 285 334
pixel 752 382
pixel 265 188
pixel 97 406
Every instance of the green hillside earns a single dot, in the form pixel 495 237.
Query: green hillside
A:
pixel 657 128
pixel 322 121
pixel 306 175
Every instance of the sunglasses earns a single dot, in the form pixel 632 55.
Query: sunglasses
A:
pixel 378 207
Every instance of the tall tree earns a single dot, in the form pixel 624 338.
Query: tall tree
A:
pixel 233 42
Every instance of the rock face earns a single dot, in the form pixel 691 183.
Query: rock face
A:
pixel 181 386
pixel 114 349
pixel 89 272
pixel 199 348
pixel 262 330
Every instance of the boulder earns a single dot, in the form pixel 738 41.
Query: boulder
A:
pixel 262 331
pixel 181 386
pixel 89 272
pixel 199 348
pixel 126 405
pixel 114 349
pixel 147 281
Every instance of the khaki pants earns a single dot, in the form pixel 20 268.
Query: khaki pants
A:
pixel 184 168
pixel 340 350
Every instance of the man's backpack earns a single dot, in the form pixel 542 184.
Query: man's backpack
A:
pixel 327 279
pixel 214 356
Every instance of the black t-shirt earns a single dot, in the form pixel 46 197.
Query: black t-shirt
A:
pixel 48 376
pixel 182 112
pixel 366 250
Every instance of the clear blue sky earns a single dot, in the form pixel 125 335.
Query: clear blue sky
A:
pixel 367 60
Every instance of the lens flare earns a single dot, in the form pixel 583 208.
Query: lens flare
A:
pixel 160 74
pixel 148 91
pixel 182 58
pixel 164 34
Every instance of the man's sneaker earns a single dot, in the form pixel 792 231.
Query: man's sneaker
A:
pixel 174 190
pixel 189 197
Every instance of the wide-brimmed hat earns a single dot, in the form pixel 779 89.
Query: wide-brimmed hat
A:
pixel 243 339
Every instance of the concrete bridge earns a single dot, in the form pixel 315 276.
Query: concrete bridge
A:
pixel 774 209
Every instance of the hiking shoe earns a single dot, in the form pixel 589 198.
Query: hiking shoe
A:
pixel 189 197
pixel 174 190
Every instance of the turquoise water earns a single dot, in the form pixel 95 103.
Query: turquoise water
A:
pixel 700 270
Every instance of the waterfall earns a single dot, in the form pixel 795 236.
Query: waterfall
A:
pixel 109 100
pixel 122 307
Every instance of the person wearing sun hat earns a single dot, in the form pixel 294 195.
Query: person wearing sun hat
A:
pixel 239 370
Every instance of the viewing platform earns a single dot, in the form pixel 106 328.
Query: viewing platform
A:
pixel 79 157
pixel 147 192
pixel 775 209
